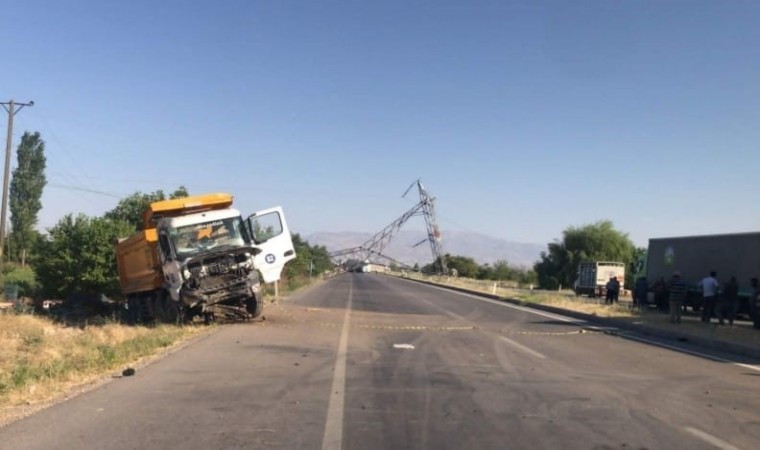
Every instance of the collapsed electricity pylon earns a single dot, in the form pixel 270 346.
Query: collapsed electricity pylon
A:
pixel 375 245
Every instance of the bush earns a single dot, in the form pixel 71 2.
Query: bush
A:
pixel 24 277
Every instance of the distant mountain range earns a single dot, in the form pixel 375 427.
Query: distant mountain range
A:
pixel 482 248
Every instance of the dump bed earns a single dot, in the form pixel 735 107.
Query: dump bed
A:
pixel 137 258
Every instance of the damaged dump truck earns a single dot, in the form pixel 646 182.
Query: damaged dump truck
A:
pixel 196 256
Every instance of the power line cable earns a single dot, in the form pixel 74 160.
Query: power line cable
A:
pixel 83 189
pixel 63 146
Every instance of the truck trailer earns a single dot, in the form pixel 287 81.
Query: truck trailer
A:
pixel 593 277
pixel 730 255
pixel 196 256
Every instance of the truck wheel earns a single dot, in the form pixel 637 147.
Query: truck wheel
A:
pixel 159 307
pixel 173 312
pixel 132 310
pixel 189 314
pixel 255 305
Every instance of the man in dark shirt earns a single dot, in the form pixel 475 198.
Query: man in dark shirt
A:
pixel 729 301
pixel 754 303
pixel 615 290
pixel 677 290
pixel 610 288
pixel 640 292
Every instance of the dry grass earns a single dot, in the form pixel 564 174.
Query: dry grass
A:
pixel 507 289
pixel 40 360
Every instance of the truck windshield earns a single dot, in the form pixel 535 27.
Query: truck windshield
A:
pixel 196 238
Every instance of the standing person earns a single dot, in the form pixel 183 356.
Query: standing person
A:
pixel 729 301
pixel 660 290
pixel 677 289
pixel 609 288
pixel 710 288
pixel 615 290
pixel 640 292
pixel 754 302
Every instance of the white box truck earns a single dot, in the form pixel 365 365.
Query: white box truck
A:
pixel 593 277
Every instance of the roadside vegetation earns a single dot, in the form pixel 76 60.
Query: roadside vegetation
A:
pixel 567 300
pixel 467 267
pixel 513 290
pixel 599 241
pixel 310 263
pixel 41 359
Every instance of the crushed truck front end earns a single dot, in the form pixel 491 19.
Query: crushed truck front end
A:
pixel 198 257
pixel 208 264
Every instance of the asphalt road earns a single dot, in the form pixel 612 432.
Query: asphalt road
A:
pixel 373 362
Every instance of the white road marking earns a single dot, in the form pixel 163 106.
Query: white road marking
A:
pixel 404 346
pixel 583 322
pixel 333 437
pixel 523 348
pixel 710 439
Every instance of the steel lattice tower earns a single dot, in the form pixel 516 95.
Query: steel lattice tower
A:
pixel 377 243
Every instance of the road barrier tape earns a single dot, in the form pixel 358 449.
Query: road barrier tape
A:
pixel 453 328
pixel 414 327
pixel 587 330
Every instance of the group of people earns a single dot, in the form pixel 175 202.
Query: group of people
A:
pixel 613 291
pixel 718 301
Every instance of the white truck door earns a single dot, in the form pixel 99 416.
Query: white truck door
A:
pixel 271 234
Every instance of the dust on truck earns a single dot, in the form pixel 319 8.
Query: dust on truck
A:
pixel 735 254
pixel 196 256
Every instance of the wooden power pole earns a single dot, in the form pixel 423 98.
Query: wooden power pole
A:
pixel 9 107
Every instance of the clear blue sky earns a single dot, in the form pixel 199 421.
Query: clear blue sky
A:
pixel 521 117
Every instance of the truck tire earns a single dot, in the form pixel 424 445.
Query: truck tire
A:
pixel 159 306
pixel 255 305
pixel 173 312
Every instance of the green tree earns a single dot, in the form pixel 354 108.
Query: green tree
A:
pixel 593 242
pixel 503 271
pixel 465 266
pixel 486 272
pixel 310 261
pixel 131 209
pixel 25 193
pixel 630 270
pixel 78 256
pixel 23 277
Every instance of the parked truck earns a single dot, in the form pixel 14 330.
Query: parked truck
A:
pixel 736 255
pixel 593 277
pixel 196 256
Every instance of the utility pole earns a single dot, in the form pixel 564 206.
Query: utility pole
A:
pixel 10 109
